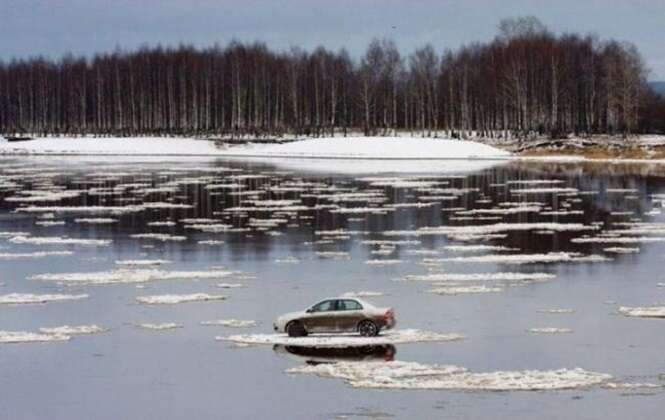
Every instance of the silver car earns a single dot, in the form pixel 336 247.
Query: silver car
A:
pixel 339 314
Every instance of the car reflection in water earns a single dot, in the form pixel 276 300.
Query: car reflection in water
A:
pixel 319 355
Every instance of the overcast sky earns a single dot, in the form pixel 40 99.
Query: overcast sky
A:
pixel 54 27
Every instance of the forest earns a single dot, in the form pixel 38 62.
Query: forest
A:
pixel 525 82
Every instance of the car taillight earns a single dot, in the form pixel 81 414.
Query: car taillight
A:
pixel 388 315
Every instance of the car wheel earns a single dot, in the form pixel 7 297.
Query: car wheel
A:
pixel 296 329
pixel 368 328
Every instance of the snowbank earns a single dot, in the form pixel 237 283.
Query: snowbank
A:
pixel 148 146
pixel 383 148
pixel 326 148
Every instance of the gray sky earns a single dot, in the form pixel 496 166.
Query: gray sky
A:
pixel 54 27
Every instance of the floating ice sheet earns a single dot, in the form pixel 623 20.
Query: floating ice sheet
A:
pixel 551 257
pixel 11 337
pixel 492 229
pixel 28 298
pixel 74 330
pixel 57 240
pixel 460 290
pixel 38 254
pixel 233 323
pixel 160 327
pixel 549 330
pixel 643 312
pixel 411 375
pixel 141 263
pixel 481 277
pixel 174 299
pixel 344 340
pixel 129 276
pixel 362 293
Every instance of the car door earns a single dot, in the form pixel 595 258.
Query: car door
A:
pixel 321 317
pixel 349 314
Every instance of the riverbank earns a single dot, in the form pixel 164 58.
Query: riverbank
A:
pixel 389 148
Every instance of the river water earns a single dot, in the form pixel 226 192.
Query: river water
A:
pixel 273 238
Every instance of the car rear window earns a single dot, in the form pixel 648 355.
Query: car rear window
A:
pixel 349 305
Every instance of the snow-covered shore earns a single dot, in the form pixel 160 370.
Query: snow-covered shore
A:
pixel 321 148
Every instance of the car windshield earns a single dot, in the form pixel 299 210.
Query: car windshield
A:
pixel 326 305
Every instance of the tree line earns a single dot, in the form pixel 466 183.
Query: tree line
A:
pixel 526 81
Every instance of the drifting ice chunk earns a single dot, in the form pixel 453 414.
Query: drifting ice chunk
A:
pixel 74 330
pixel 129 276
pixel 142 263
pixel 362 293
pixel 411 375
pixel 39 254
pixel 173 299
pixel 644 312
pixel 233 323
pixel 160 327
pixel 343 340
pixel 551 257
pixel 57 240
pixel 481 277
pixel 550 330
pixel 557 311
pixel 456 290
pixel 29 337
pixel 27 298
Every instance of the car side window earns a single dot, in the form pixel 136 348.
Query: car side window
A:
pixel 325 306
pixel 350 305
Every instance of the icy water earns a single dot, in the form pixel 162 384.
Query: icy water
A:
pixel 581 249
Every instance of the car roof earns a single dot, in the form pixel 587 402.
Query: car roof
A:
pixel 361 301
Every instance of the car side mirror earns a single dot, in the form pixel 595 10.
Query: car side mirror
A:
pixel 309 310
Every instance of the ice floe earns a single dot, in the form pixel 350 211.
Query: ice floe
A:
pixel 621 250
pixel 232 323
pixel 493 228
pixel 95 220
pixel 12 337
pixel 229 285
pixel 163 237
pixel 160 327
pixel 29 298
pixel 174 299
pixel 344 340
pixel 141 263
pixel 551 257
pixel 74 330
pixel 457 277
pixel 411 375
pixel 460 290
pixel 37 254
pixel 557 311
pixel 129 276
pixel 550 330
pixel 643 312
pixel 58 240
pixel 362 293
